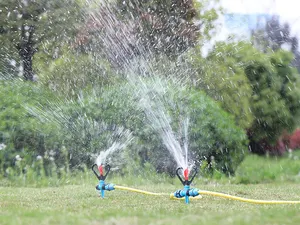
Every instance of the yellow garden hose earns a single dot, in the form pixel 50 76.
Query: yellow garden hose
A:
pixel 218 194
pixel 211 193
pixel 150 193
pixel 138 191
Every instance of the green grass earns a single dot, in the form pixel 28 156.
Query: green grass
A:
pixel 75 201
pixel 80 204
pixel 257 169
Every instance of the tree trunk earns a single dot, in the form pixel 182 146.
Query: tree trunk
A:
pixel 26 51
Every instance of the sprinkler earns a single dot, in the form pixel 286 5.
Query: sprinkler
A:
pixel 101 187
pixel 187 191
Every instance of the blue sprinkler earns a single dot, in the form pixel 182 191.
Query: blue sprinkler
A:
pixel 187 191
pixel 101 187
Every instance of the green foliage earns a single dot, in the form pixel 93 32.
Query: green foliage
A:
pixel 213 134
pixel 275 96
pixel 222 77
pixel 93 122
pixel 73 72
pixel 23 134
pixel 17 126
pixel 260 90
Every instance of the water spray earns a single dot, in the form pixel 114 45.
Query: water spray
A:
pixel 187 191
pixel 102 187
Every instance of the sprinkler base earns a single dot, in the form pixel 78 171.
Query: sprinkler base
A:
pixel 172 197
pixel 186 193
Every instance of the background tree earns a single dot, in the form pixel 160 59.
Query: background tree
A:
pixel 260 90
pixel 170 26
pixel 131 28
pixel 73 72
pixel 30 26
pixel 275 99
pixel 221 75
pixel 277 36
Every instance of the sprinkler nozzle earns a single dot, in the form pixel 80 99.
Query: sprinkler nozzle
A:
pixel 100 168
pixel 186 174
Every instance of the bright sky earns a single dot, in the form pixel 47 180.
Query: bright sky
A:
pixel 288 10
pixel 284 7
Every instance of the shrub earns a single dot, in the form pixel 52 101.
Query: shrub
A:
pixel 294 140
pixel 98 118
pixel 22 133
pixel 212 132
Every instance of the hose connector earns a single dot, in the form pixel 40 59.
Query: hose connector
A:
pixel 105 187
pixel 193 192
pixel 102 187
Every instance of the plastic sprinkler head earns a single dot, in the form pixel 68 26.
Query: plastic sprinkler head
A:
pixel 101 177
pixel 186 192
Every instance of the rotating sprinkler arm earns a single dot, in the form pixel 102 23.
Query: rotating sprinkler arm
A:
pixel 179 177
pixel 194 175
pixel 107 169
pixel 96 174
pixel 186 181
pixel 100 168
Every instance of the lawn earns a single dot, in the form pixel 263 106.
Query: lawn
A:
pixel 80 204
